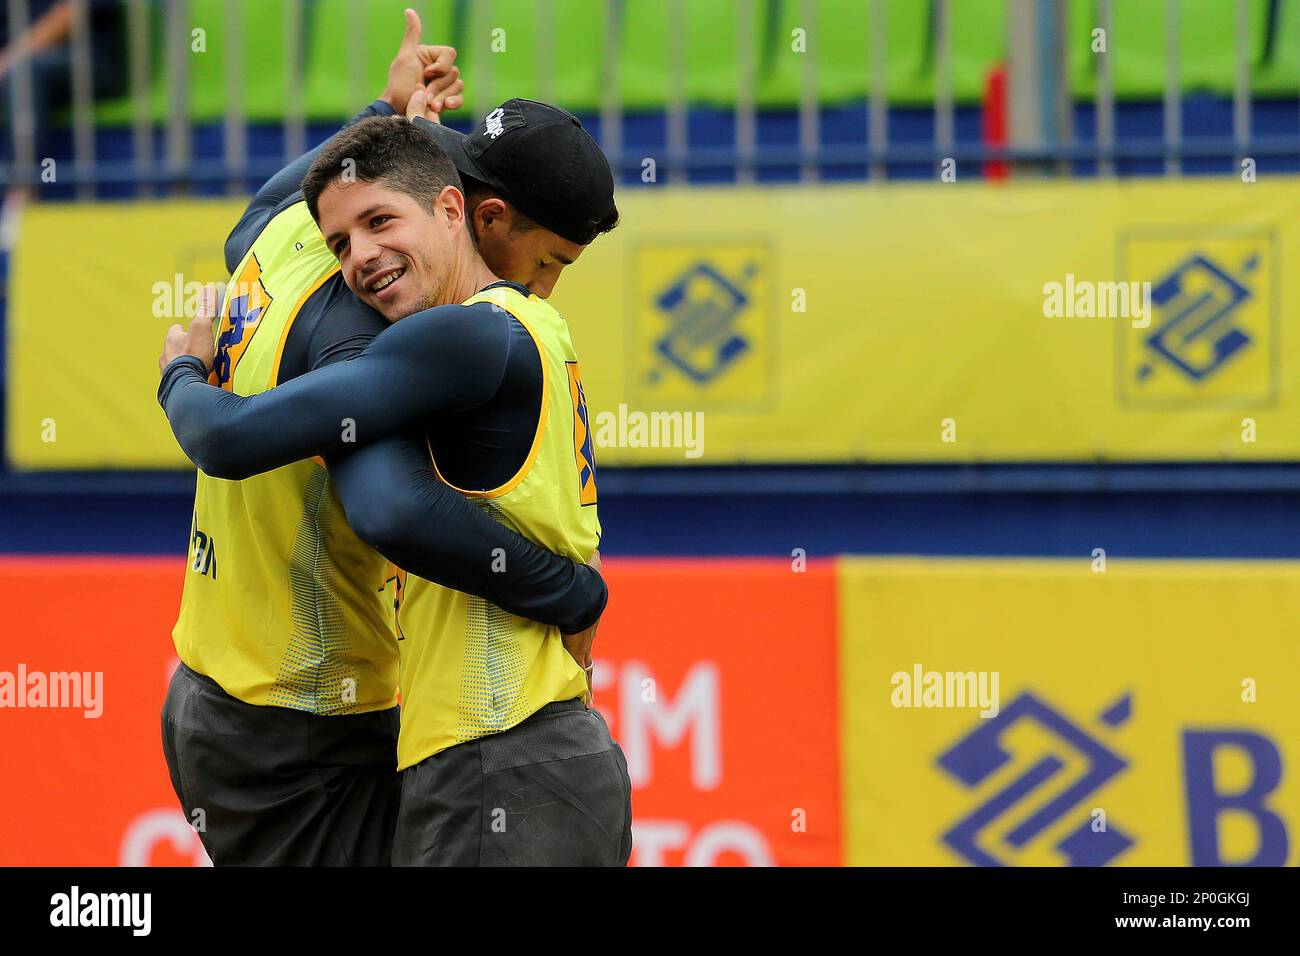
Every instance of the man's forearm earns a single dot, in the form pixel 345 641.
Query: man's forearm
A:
pixel 235 437
pixel 47 31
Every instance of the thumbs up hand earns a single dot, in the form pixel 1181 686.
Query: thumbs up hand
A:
pixel 421 66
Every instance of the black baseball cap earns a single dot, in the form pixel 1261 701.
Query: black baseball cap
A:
pixel 541 160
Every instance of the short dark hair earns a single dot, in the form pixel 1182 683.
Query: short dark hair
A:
pixel 387 150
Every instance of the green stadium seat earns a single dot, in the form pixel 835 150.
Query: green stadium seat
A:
pixel 264 53
pixel 1207 50
pixel 835 38
pixel 328 90
pixel 1080 21
pixel 710 52
pixel 979 45
pixel 1276 71
pixel 1207 58
pixel 493 73
pixel 840 40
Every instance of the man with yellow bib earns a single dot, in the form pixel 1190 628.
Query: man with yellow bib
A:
pixel 502 761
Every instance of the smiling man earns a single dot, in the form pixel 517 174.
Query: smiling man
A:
pixel 502 762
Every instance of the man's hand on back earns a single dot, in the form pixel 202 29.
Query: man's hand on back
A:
pixel 198 341
pixel 579 645
pixel 418 66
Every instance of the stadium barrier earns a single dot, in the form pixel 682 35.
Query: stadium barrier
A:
pixel 1077 321
pixel 1142 712
pixel 787 712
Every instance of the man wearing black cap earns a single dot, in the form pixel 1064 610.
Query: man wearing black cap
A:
pixel 537 188
pixel 503 761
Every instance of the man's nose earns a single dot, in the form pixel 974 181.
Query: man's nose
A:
pixel 364 252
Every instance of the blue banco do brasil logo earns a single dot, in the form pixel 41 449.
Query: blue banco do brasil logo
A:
pixel 1031 802
pixel 1199 331
pixel 703 307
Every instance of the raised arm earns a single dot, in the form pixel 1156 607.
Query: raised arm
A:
pixel 415 66
pixel 277 190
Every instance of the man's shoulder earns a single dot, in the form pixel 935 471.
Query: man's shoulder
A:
pixel 335 326
pixel 465 318
pixel 255 224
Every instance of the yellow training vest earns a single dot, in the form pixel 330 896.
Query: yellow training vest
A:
pixel 468 668
pixel 283 604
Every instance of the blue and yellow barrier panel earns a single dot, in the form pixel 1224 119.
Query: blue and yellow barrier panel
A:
pixel 1079 321
pixel 1067 712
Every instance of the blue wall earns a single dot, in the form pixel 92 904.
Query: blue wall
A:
pixel 1206 511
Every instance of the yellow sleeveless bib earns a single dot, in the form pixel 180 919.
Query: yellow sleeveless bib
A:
pixel 468 668
pixel 283 604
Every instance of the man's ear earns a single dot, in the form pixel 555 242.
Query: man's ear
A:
pixel 452 202
pixel 489 211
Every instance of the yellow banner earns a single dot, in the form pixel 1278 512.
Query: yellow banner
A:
pixel 1070 712
pixel 933 322
pixel 93 290
pixel 1135 320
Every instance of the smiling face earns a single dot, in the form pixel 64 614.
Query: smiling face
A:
pixel 394 253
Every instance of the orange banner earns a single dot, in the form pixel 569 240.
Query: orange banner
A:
pixel 85 781
pixel 717 677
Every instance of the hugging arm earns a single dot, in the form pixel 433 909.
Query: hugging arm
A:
pixel 396 504
pixel 438 362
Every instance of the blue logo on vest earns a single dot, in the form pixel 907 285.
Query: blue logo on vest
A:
pixel 246 303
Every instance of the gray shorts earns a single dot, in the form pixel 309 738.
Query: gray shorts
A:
pixel 271 786
pixel 551 791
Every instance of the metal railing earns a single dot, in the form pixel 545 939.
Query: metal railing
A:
pixel 1039 103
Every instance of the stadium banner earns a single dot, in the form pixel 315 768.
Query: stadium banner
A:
pixel 1000 712
pixel 936 322
pixel 93 289
pixel 726 706
pixel 726 710
pixel 85 659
